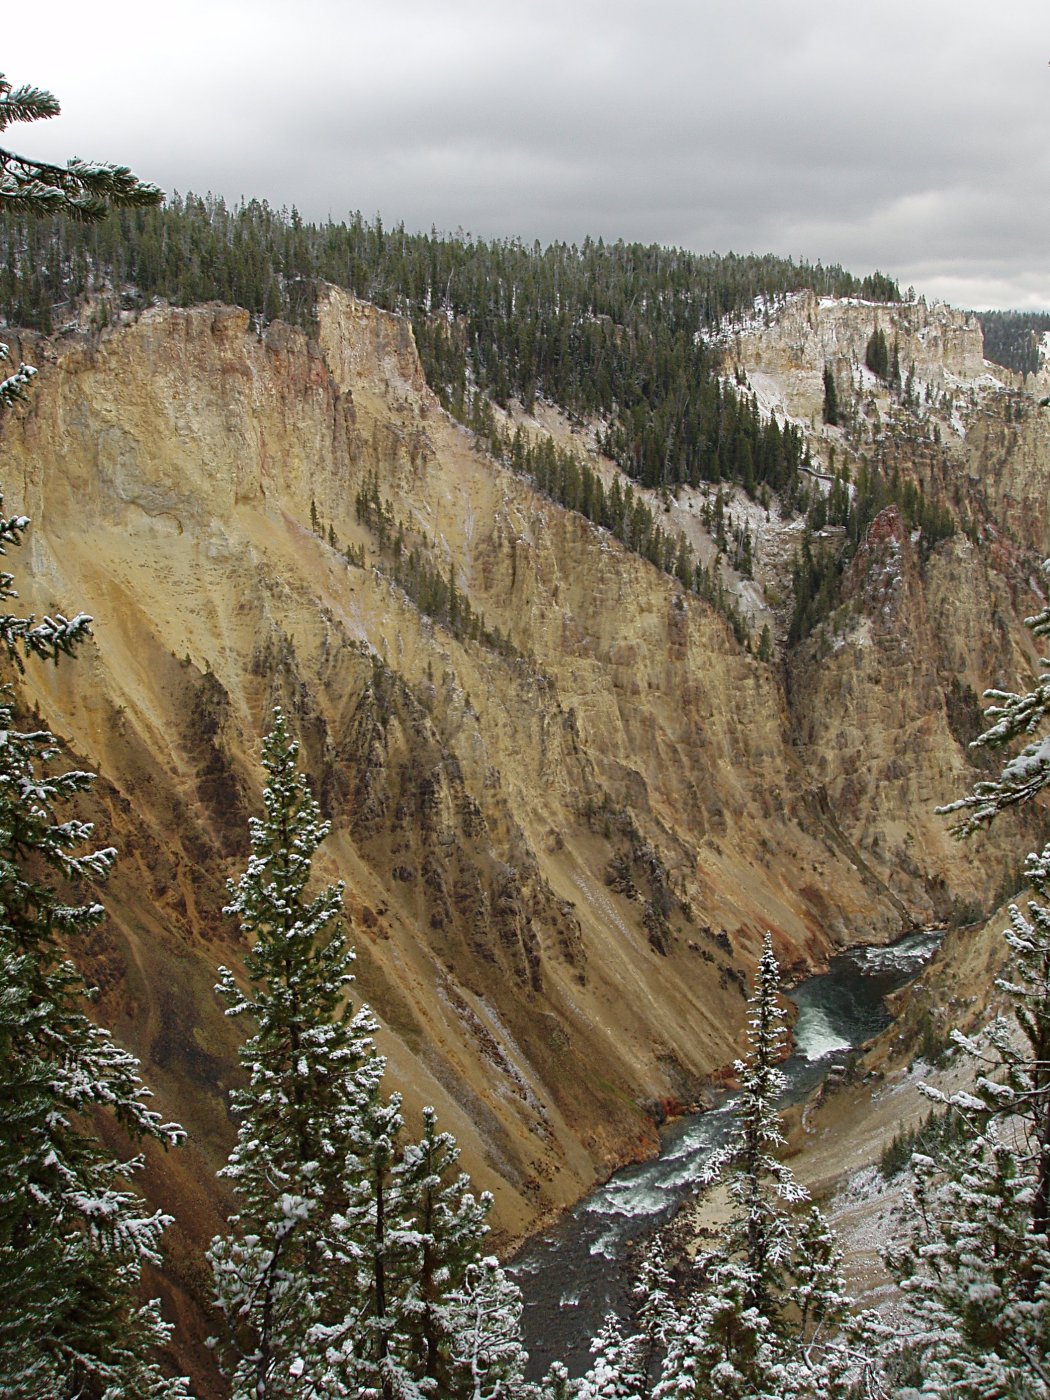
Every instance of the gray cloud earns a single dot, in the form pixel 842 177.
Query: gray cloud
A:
pixel 907 136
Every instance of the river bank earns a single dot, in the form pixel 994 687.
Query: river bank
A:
pixel 579 1270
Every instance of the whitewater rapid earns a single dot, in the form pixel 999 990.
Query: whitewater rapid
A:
pixel 574 1274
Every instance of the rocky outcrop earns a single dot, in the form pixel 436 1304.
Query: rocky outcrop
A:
pixel 943 346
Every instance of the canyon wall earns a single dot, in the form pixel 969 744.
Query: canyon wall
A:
pixel 562 847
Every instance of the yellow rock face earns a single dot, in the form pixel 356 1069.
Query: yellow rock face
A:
pixel 559 863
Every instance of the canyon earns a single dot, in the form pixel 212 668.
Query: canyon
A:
pixel 561 849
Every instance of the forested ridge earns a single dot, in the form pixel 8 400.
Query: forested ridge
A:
pixel 614 331
pixel 619 333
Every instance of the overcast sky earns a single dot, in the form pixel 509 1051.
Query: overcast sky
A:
pixel 913 137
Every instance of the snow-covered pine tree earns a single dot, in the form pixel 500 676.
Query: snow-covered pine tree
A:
pixel 484 1323
pixel 760 1232
pixel 312 1072
pixel 73 1235
pixel 366 1347
pixel 819 1301
pixel 13 387
pixel 442 1230
pixel 346 1268
pixel 768 1302
pixel 619 1370
pixel 425 1314
pixel 625 1362
pixel 719 1343
pixel 557 1384
pixel 975 1270
pixel 84 190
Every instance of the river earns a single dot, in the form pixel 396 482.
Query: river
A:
pixel 575 1273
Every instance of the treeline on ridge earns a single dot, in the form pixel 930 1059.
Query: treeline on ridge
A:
pixel 616 331
pixel 619 332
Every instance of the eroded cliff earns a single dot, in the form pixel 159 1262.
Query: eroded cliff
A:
pixel 561 844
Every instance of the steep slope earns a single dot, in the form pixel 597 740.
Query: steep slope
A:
pixel 561 845
pixel 885 695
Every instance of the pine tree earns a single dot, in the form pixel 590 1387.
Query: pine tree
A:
pixel 13 387
pixel 760 1185
pixel 618 1371
pixel 768 1305
pixel 721 1344
pixel 353 1264
pixel 487 1359
pixel 975 1270
pixel 73 1235
pixel 765 1313
pixel 365 1350
pixel 877 354
pixel 312 1070
pixel 1013 716
pixel 831 398
pixel 557 1384
pixel 84 190
pixel 426 1315
pixel 625 1362
pixel 444 1227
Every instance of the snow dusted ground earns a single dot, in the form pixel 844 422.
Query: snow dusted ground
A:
pixel 765 311
pixel 841 1144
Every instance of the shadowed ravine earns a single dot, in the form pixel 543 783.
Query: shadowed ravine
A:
pixel 577 1272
